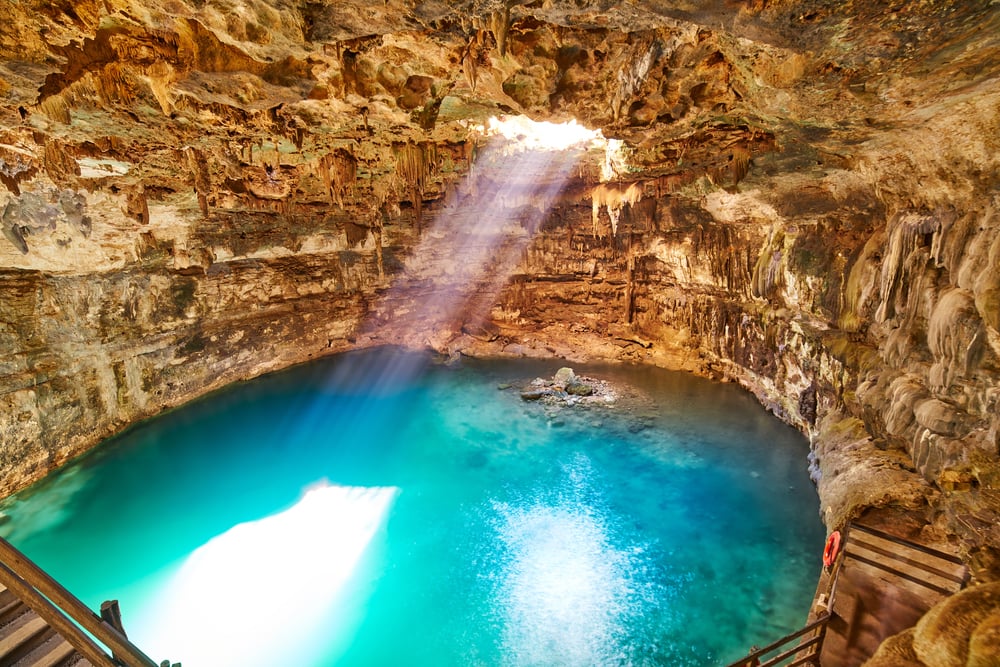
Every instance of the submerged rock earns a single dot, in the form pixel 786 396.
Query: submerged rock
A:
pixel 535 394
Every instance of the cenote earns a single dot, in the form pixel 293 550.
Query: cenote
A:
pixel 378 508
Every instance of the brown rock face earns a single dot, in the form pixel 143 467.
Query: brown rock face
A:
pixel 961 631
pixel 804 200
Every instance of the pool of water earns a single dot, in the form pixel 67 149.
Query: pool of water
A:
pixel 379 509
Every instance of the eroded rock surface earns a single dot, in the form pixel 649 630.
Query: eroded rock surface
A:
pixel 961 631
pixel 804 201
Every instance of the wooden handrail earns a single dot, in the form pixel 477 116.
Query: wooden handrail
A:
pixel 852 544
pixel 755 657
pixel 897 572
pixel 788 653
pixel 87 647
pixel 915 564
pixel 930 551
pixel 33 586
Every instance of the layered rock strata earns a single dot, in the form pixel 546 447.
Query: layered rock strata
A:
pixel 804 200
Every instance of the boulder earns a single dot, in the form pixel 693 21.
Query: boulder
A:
pixel 534 394
pixel 943 636
pixel 564 377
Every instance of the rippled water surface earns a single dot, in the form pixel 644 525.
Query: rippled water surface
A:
pixel 378 509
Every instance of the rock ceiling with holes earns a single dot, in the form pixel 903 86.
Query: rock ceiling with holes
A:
pixel 804 200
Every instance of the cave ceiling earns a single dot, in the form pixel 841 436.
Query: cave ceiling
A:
pixel 156 99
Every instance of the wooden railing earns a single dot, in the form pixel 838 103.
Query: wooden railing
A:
pixel 60 608
pixel 797 649
pixel 942 573
pixel 935 570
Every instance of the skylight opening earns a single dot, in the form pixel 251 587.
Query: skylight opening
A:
pixel 542 135
pixel 523 135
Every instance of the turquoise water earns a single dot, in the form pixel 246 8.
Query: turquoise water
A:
pixel 378 509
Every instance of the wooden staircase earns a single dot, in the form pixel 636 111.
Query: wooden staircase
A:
pixel 27 640
pixel 44 625
pixel 880 585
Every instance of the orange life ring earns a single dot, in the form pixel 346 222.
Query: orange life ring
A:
pixel 832 548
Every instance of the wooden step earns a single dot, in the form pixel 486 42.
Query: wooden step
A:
pixel 10 608
pixel 5 595
pixel 54 652
pixel 17 636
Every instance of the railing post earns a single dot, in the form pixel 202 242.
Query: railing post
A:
pixel 112 615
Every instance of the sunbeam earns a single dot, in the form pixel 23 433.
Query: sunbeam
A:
pixel 466 256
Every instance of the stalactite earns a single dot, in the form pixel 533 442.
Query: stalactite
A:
pixel 906 234
pixel 137 205
pixel 379 261
pixel 59 163
pixel 469 66
pixel 741 163
pixel 769 270
pixel 630 286
pixel 200 174
pixel 56 108
pixel 414 163
pixel 470 151
pixel 613 197
pixel 114 85
pixel 349 71
pixel 500 25
pixel 339 171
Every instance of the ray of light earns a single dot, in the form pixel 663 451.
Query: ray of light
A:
pixel 469 251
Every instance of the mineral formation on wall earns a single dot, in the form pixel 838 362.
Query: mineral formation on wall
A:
pixel 804 201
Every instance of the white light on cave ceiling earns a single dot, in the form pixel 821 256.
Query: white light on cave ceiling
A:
pixel 525 134
pixel 528 134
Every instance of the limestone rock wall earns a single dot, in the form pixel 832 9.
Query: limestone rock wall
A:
pixel 961 630
pixel 804 201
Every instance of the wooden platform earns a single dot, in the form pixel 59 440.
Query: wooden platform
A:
pixel 879 585
pixel 26 640
pixel 884 585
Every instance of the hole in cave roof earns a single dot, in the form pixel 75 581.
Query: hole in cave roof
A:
pixel 543 135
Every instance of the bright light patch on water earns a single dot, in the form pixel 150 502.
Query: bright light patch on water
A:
pixel 567 593
pixel 253 596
